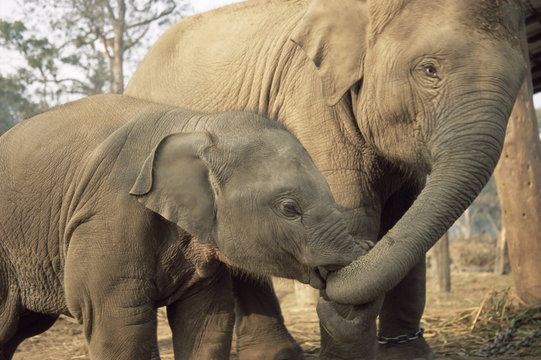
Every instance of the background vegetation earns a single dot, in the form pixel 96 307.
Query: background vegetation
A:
pixel 67 49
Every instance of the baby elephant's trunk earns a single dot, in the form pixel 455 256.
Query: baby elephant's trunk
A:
pixel 332 247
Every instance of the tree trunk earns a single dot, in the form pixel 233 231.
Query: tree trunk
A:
pixel 518 179
pixel 117 62
pixel 465 224
pixel 441 265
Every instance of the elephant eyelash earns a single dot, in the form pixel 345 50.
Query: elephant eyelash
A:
pixel 288 208
pixel 427 69
pixel 291 210
pixel 431 71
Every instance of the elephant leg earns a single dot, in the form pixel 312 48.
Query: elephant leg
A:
pixel 401 315
pixel 10 308
pixel 404 305
pixel 202 323
pixel 120 333
pixel 29 324
pixel 155 351
pixel 357 323
pixel 261 333
pixel 119 320
pixel 111 291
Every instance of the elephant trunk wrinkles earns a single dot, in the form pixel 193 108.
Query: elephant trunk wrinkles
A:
pixel 464 157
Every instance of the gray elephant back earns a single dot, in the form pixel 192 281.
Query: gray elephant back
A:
pixel 40 163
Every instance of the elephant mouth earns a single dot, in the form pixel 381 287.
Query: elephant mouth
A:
pixel 316 279
pixel 317 276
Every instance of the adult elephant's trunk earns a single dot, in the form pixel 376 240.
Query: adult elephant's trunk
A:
pixel 464 155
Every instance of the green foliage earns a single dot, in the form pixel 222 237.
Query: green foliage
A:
pixel 85 42
pixel 40 65
pixel 14 100
pixel 44 60
pixel 13 105
pixel 98 36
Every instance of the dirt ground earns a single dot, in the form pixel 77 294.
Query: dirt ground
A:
pixel 65 339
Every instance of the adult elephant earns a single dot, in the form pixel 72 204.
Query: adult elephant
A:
pixel 381 93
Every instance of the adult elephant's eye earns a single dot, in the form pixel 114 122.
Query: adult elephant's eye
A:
pixel 290 208
pixel 431 71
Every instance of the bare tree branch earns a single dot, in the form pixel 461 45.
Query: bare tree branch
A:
pixel 105 43
pixel 145 9
pixel 111 11
pixel 93 36
pixel 131 42
pixel 152 19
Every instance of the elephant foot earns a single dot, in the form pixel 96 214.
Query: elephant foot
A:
pixel 271 347
pixel 417 349
pixel 363 348
pixel 348 352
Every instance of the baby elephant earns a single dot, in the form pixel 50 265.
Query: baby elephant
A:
pixel 111 207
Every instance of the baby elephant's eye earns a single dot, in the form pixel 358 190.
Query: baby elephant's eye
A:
pixel 290 208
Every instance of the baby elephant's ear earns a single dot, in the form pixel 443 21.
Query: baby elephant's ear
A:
pixel 174 182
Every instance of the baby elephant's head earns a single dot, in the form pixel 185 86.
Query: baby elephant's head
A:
pixel 247 186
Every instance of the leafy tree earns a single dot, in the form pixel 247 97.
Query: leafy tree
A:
pixel 42 61
pixel 13 105
pixel 86 47
pixel 108 28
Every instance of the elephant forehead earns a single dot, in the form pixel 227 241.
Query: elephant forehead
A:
pixel 276 171
pixel 280 166
pixel 278 151
pixel 500 19
pixel 273 162
pixel 266 184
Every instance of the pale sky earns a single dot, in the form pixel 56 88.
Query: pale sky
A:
pixel 8 8
pixel 206 5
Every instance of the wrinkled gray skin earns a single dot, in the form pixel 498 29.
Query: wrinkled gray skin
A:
pixel 381 93
pixel 112 206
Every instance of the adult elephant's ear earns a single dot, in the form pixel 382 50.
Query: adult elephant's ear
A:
pixel 175 183
pixel 333 34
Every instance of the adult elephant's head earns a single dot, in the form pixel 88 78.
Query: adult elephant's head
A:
pixel 432 85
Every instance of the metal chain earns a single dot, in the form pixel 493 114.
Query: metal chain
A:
pixel 400 339
pixel 502 341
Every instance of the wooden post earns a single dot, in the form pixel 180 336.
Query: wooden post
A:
pixel 441 266
pixel 501 264
pixel 518 179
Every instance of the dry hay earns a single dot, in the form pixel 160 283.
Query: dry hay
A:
pixel 474 256
pixel 472 331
